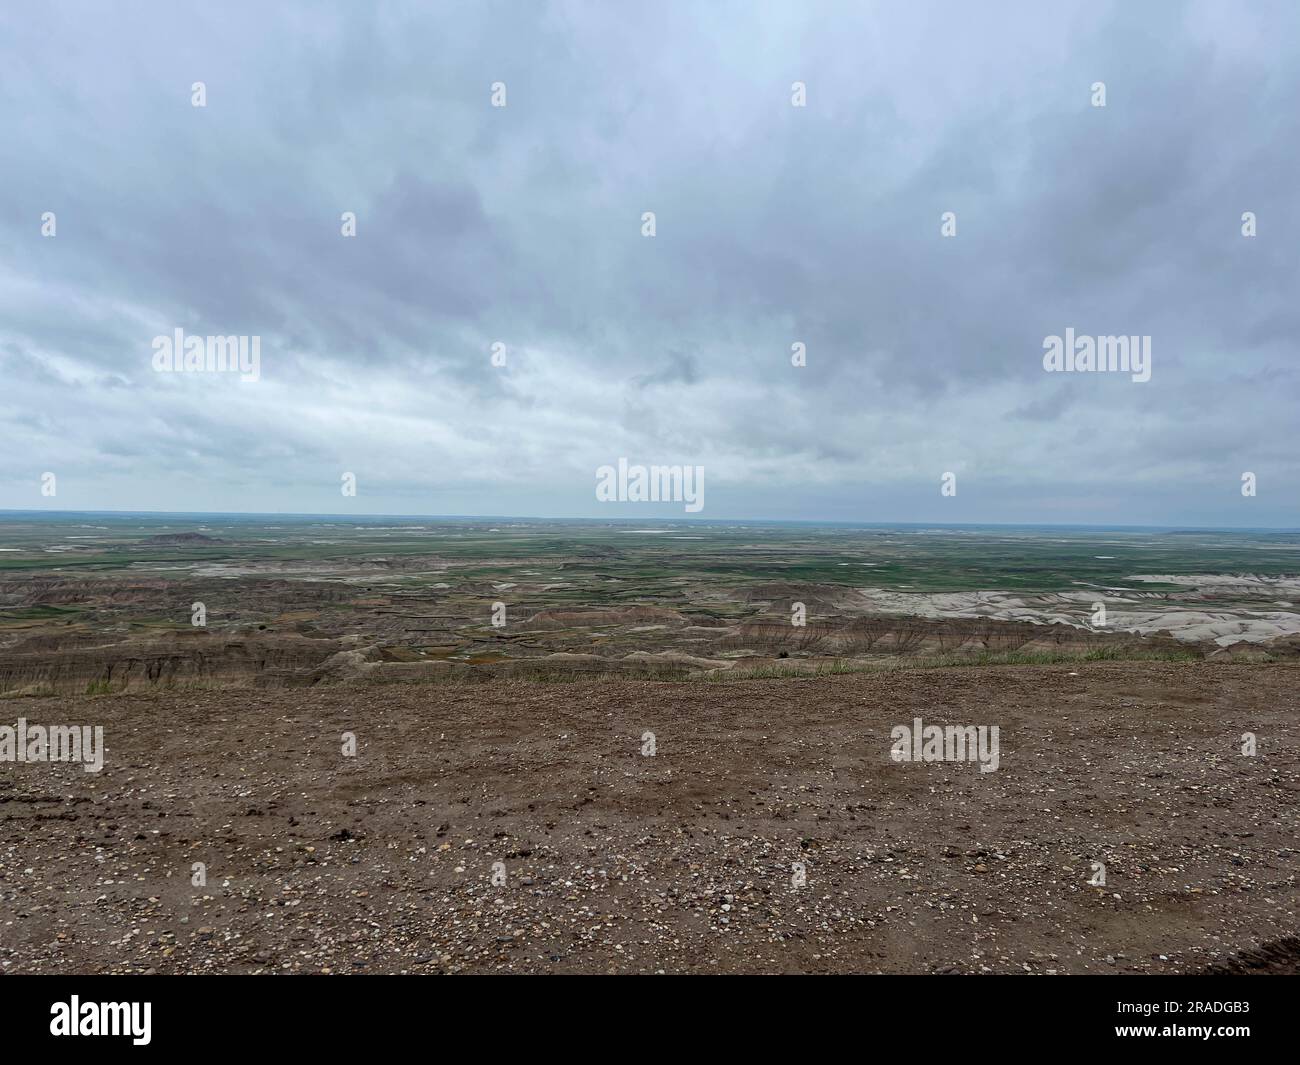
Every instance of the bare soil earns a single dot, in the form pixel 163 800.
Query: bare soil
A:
pixel 616 861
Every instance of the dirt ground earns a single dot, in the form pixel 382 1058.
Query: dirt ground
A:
pixel 681 861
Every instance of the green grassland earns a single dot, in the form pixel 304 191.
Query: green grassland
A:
pixel 621 562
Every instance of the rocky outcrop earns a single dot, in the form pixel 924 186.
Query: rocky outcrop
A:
pixel 172 660
pixel 628 615
pixel 893 635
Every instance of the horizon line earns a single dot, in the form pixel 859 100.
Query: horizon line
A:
pixel 6 512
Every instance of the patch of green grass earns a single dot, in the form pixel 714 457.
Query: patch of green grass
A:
pixel 32 691
pixel 39 613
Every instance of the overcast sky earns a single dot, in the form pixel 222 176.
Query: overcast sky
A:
pixel 775 224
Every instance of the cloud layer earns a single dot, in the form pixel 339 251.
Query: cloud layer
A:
pixel 774 225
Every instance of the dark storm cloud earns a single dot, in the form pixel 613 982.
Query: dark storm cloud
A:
pixel 521 226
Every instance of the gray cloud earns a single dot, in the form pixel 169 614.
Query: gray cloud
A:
pixel 776 224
